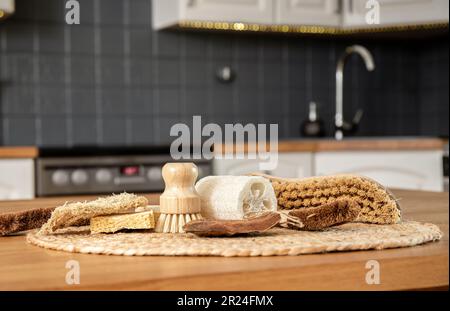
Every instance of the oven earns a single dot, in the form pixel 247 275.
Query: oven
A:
pixel 97 170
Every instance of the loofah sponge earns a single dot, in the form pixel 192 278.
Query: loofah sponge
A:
pixel 235 197
pixel 377 204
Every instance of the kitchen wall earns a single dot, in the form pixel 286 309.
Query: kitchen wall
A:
pixel 113 81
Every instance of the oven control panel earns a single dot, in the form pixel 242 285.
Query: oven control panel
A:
pixel 92 175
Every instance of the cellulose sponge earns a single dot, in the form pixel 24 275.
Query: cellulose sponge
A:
pixel 114 223
pixel 235 197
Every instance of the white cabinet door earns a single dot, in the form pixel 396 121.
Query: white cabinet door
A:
pixel 308 12
pixel 291 165
pixel 251 11
pixel 7 7
pixel 415 170
pixel 167 13
pixel 394 12
pixel 16 179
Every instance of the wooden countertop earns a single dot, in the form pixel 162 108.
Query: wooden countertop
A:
pixel 27 267
pixel 18 152
pixel 351 144
pixel 356 144
pixel 298 145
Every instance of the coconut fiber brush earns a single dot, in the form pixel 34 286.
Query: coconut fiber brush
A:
pixel 180 203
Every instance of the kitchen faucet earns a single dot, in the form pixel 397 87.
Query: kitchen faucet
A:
pixel 341 125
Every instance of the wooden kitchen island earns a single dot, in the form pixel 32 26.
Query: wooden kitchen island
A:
pixel 28 267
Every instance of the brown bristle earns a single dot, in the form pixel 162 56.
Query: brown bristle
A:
pixel 377 205
pixel 324 216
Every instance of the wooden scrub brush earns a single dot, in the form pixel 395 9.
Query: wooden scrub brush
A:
pixel 180 203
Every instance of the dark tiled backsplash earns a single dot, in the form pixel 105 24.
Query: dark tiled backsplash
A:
pixel 112 80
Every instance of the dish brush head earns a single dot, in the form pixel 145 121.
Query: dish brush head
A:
pixel 174 223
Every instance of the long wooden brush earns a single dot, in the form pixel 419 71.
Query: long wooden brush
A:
pixel 180 203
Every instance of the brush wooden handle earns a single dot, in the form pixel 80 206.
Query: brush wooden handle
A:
pixel 180 196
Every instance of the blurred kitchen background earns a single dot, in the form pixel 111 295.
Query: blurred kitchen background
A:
pixel 114 83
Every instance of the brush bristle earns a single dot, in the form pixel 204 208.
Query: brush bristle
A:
pixel 174 223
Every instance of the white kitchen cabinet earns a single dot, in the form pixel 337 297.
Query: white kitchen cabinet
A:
pixel 169 12
pixel 350 14
pixel 396 12
pixel 291 165
pixel 415 170
pixel 7 7
pixel 16 179
pixel 308 12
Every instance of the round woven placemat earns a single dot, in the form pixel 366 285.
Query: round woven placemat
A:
pixel 276 242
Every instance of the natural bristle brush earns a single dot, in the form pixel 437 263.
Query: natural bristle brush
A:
pixel 180 203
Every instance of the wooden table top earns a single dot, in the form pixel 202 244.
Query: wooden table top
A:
pixel 27 267
pixel 349 144
pixel 19 152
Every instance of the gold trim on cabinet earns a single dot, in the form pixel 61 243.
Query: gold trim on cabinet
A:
pixel 313 30
pixel 4 15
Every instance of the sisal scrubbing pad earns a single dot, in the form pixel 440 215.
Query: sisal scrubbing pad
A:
pixel 114 223
pixel 325 216
pixel 377 205
pixel 71 213
pixel 28 219
pixel 24 220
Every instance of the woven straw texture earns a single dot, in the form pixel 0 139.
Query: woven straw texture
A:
pixel 276 242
